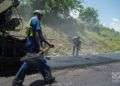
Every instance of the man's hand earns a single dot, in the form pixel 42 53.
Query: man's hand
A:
pixel 45 50
pixel 51 46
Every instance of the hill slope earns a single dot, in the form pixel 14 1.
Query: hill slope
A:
pixel 94 40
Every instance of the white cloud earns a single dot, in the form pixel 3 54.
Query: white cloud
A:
pixel 115 19
pixel 115 24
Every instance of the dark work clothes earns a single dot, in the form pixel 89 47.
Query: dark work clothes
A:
pixel 36 61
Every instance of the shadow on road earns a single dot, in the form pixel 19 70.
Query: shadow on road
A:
pixel 39 83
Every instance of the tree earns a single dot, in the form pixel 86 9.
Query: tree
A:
pixel 89 15
pixel 57 6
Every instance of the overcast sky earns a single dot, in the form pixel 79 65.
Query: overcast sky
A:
pixel 109 11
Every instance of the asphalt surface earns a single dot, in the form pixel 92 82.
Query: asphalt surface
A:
pixel 77 73
pixel 90 76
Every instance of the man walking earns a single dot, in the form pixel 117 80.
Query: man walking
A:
pixel 37 29
pixel 34 57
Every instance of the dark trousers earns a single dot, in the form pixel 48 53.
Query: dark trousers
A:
pixel 76 50
pixel 41 65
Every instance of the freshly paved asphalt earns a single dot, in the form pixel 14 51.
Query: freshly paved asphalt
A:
pixel 85 70
pixel 83 60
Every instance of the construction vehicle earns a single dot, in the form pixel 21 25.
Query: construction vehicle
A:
pixel 7 21
pixel 11 48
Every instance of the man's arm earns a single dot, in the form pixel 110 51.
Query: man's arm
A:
pixel 45 50
pixel 35 56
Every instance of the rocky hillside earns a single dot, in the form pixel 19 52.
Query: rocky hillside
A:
pixel 94 40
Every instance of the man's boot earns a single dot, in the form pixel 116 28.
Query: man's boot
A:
pixel 49 78
pixel 17 83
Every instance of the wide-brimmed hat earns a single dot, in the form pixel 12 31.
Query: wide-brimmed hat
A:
pixel 40 12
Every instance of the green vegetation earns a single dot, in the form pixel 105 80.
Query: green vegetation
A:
pixel 104 40
pixel 95 35
pixel 57 6
pixel 89 15
pixel 111 38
